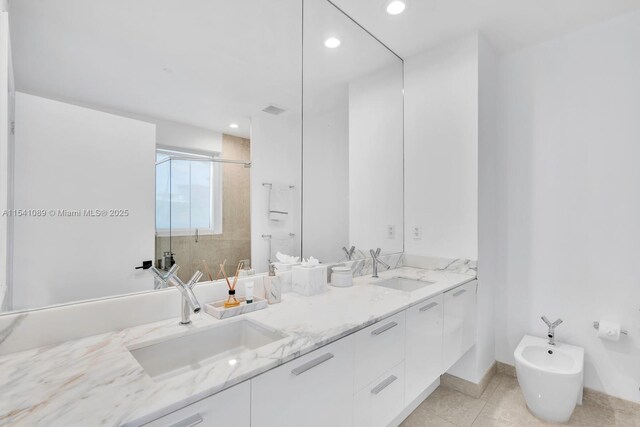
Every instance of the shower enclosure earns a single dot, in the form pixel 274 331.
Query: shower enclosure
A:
pixel 203 212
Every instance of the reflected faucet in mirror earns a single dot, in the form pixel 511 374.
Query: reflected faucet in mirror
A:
pixel 375 260
pixel 189 300
pixel 349 252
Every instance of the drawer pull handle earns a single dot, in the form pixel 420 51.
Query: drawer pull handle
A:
pixel 384 328
pixel 460 292
pixel 191 421
pixel 384 384
pixel 311 364
pixel 429 306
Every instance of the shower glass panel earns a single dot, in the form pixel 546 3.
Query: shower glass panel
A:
pixel 203 210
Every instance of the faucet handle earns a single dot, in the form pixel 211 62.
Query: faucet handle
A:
pixel 551 325
pixel 166 275
pixel 194 279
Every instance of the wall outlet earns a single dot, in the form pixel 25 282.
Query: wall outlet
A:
pixel 391 232
pixel 417 233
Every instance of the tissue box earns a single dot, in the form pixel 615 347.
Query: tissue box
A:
pixel 309 281
pixel 285 281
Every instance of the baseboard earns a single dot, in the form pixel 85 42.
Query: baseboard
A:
pixel 467 387
pixel 589 395
pixel 413 405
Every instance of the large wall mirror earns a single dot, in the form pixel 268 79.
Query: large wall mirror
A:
pixel 152 130
pixel 165 131
pixel 353 138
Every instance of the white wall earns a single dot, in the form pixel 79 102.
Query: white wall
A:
pixel 569 226
pixel 441 150
pixel 474 365
pixel 449 113
pixel 326 182
pixel 276 159
pixel 70 157
pixel 376 160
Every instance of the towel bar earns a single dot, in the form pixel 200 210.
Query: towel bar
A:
pixel 268 184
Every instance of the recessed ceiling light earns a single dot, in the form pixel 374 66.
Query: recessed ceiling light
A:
pixel 232 362
pixel 332 42
pixel 234 126
pixel 396 7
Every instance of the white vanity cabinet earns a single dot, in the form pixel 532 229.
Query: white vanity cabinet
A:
pixel 315 390
pixel 423 360
pixel 379 372
pixel 381 401
pixel 229 408
pixel 459 322
pixel 379 347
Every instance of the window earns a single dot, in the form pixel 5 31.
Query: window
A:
pixel 188 194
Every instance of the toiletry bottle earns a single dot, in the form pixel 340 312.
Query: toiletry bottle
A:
pixel 273 286
pixel 249 292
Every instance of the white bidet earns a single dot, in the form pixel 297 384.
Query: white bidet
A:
pixel 550 377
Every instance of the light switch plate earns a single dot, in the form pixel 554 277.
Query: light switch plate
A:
pixel 391 232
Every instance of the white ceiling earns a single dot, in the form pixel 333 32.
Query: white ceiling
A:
pixel 507 24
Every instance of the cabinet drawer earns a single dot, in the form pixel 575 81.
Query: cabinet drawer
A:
pixel 459 322
pixel 229 408
pixel 423 356
pixel 380 401
pixel 313 390
pixel 379 348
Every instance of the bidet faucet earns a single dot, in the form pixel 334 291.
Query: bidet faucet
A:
pixel 552 329
pixel 375 260
pixel 349 252
pixel 189 300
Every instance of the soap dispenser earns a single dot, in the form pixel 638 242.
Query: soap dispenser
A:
pixel 273 286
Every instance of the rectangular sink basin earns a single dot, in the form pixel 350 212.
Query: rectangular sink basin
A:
pixel 225 343
pixel 403 284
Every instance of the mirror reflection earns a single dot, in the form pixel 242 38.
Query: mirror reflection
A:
pixel 176 141
pixel 187 141
pixel 353 139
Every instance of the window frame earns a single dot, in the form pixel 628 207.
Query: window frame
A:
pixel 215 185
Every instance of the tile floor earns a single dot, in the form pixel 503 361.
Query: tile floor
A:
pixel 502 404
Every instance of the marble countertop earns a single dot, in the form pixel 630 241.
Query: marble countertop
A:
pixel 96 381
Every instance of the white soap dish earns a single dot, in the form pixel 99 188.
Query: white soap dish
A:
pixel 218 310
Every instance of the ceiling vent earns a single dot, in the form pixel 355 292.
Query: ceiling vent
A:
pixel 272 109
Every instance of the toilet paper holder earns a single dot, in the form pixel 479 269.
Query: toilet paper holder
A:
pixel 596 325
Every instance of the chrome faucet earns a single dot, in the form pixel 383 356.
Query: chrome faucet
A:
pixel 189 300
pixel 349 252
pixel 552 329
pixel 161 276
pixel 375 260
